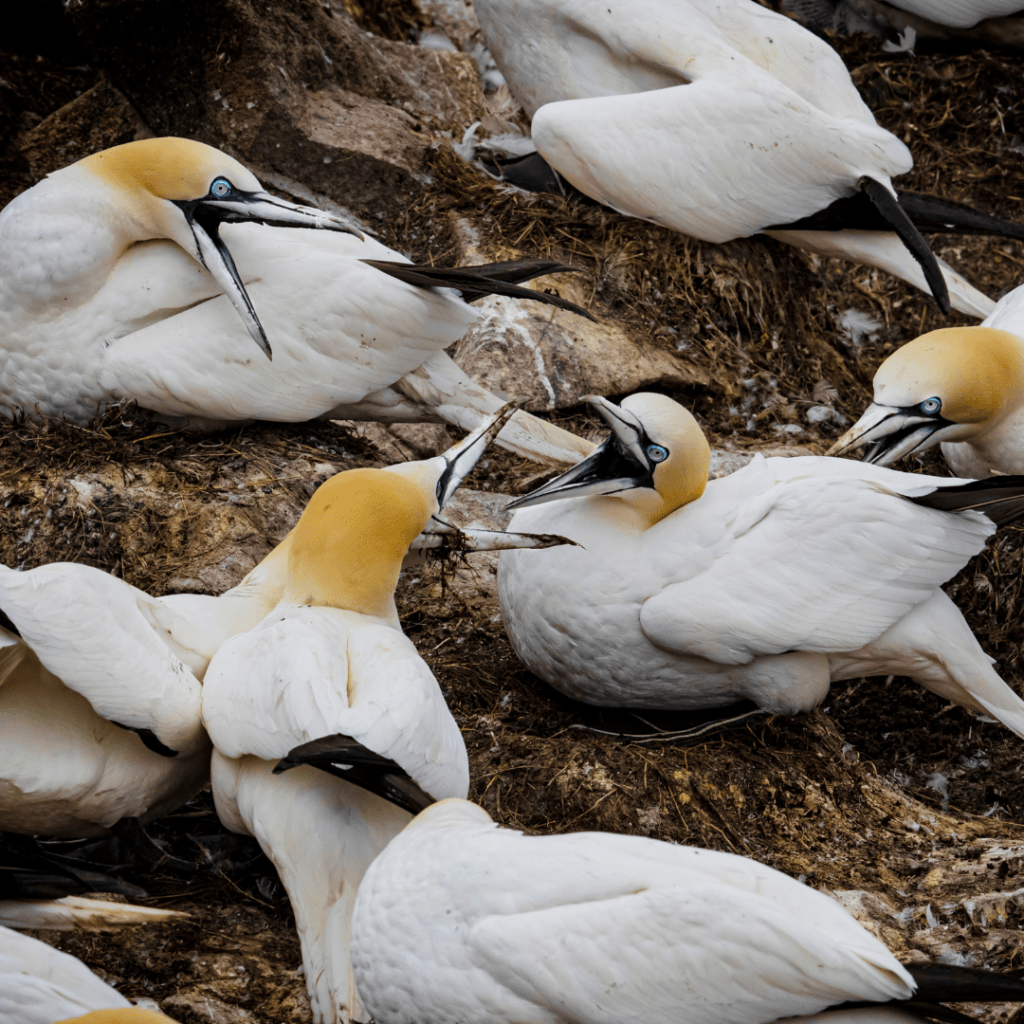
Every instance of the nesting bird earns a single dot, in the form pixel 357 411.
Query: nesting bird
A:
pixel 42 985
pixel 459 920
pixel 328 666
pixel 148 271
pixel 959 387
pixel 766 584
pixel 722 119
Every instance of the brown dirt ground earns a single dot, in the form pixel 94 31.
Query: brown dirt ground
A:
pixel 844 797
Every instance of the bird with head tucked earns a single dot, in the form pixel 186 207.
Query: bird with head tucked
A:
pixel 764 585
pixel 148 270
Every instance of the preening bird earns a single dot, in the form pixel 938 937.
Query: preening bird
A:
pixel 148 270
pixel 459 921
pixel 42 985
pixel 961 388
pixel 766 584
pixel 328 666
pixel 722 119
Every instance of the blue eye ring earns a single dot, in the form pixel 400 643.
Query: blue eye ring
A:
pixel 656 453
pixel 930 406
pixel 221 188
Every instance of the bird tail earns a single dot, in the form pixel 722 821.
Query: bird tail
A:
pixel 80 913
pixel 934 646
pixel 884 249
pixel 1001 498
pixel 453 396
pixel 942 216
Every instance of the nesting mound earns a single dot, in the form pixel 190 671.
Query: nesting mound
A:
pixel 909 806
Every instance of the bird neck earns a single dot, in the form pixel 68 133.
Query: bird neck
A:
pixel 347 549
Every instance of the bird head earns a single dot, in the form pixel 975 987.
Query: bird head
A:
pixel 184 190
pixel 949 385
pixel 656 459
pixel 347 549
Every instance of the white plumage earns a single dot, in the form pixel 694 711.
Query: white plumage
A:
pixel 331 663
pixel 459 921
pixel 765 584
pixel 96 658
pixel 41 985
pixel 718 118
pixel 117 282
pixel 959 13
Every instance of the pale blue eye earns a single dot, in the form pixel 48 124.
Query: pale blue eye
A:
pixel 221 187
pixel 930 406
pixel 656 453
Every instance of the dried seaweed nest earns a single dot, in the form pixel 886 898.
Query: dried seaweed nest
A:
pixel 885 788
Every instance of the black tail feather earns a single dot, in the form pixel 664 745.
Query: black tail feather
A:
pixel 346 758
pixel 942 216
pixel 476 282
pixel 940 983
pixel 28 872
pixel 1001 498
pixel 530 172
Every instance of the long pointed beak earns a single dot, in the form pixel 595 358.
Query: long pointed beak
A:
pixel 889 432
pixel 216 257
pixel 462 457
pixel 263 208
pixel 618 465
pixel 205 217
pixel 438 534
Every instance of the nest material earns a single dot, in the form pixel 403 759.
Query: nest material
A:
pixel 885 788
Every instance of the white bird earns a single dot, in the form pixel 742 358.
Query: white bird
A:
pixel 329 664
pixel 110 676
pixel 459 921
pixel 765 585
pixel 960 13
pixel 961 388
pixel 42 985
pixel 146 272
pixel 721 119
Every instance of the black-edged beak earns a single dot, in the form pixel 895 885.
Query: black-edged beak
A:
pixel 462 457
pixel 889 433
pixel 620 464
pixel 438 534
pixel 347 758
pixel 204 217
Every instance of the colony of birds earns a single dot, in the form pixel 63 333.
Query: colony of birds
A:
pixel 162 273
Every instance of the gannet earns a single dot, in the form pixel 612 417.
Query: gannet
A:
pixel 765 584
pixel 146 272
pixel 722 119
pixel 42 985
pixel 328 664
pixel 459 921
pixel 959 13
pixel 960 387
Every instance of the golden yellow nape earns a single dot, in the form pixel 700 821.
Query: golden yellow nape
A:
pixel 133 1015
pixel 975 371
pixel 168 168
pixel 682 477
pixel 347 549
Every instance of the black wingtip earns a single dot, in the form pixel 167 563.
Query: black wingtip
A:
pixel 941 983
pixel 1001 498
pixel 888 206
pixel 347 759
pixel 5 621
pixel 476 282
pixel 150 739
